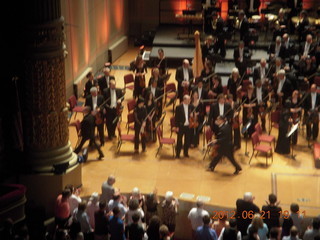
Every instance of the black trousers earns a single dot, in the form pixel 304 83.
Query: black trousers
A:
pixel 186 132
pixel 312 129
pixel 93 141
pixel 100 132
pixel 111 127
pixel 229 154
pixel 137 137
pixel 236 138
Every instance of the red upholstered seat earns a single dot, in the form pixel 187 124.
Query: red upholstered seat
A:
pixel 123 137
pixel 127 137
pixel 260 147
pixel 264 137
pixel 74 105
pixel 128 78
pixel 163 140
pixel 167 140
pixel 208 134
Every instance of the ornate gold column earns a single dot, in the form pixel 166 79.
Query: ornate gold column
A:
pixel 45 112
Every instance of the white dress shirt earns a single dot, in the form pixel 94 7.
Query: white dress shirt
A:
pixel 221 109
pixel 277 50
pixel 113 96
pixel 306 49
pixel 280 85
pixel 199 92
pixel 241 54
pixel 313 100
pixel 186 110
pixel 262 73
pixel 153 90
pixel 185 74
pixel 259 94
pixel 94 102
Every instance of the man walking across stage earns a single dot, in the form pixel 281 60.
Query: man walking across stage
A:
pixel 224 142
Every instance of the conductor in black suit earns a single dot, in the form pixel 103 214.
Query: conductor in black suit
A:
pixel 225 146
pixel 184 77
pixel 182 116
pixel 104 81
pixel 94 101
pixel 115 97
pixel 87 132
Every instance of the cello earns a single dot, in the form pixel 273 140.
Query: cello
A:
pixel 98 114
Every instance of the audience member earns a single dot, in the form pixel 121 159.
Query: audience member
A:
pixel 205 231
pixel 82 217
pixel 92 207
pixel 231 232
pixel 107 189
pixel 271 212
pixel 313 231
pixel 243 207
pixel 252 235
pixel 116 201
pixel 137 195
pixel 296 217
pixel 258 223
pixel 134 230
pixel 153 228
pixel 169 210
pixel 101 220
pixel 274 233
pixel 116 225
pixel 293 234
pixel 62 209
pixel 164 233
pixel 74 198
pixel 152 202
pixel 195 216
pixel 220 224
pixel 134 208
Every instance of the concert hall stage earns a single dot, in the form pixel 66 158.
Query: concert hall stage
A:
pixel 292 180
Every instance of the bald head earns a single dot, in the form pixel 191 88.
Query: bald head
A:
pixel 185 63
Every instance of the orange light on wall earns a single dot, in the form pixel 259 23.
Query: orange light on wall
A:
pixel 307 4
pixel 86 32
pixel 119 13
pixel 73 41
pixel 224 9
pixel 178 6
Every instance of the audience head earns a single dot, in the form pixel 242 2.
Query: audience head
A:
pixel 294 208
pixel 66 193
pixel 111 180
pixel 274 233
pixel 82 206
pixel 94 197
pixel 206 220
pixel 316 223
pixel 70 187
pixel 248 197
pixel 253 232
pixel 257 221
pixel 133 204
pixel 169 196
pixel 136 217
pixel 294 231
pixel 102 205
pixel 163 232
pixel 135 192
pixel 154 222
pixel 233 223
pixel 116 211
pixel 199 203
pixel 272 198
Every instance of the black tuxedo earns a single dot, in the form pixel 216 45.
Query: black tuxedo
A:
pixel 309 116
pixel 185 131
pixel 312 49
pixel 244 31
pixel 220 34
pixel 272 50
pixel 87 133
pixel 89 84
pixel 89 103
pixel 242 66
pixel 302 29
pixel 204 93
pixel 180 77
pixel 215 112
pixel 103 82
pixel 225 146
pixel 207 52
pixel 158 93
pixel 243 208
pixel 287 90
pixel 111 113
pixel 289 51
pixel 257 74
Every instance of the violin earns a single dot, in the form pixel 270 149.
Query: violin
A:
pixel 142 81
pixel 98 114
pixel 250 110
pixel 262 109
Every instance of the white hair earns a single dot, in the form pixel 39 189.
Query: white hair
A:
pixel 169 195
pixel 94 196
pixel 235 70
pixel 135 191
pixel 93 89
pixel 247 196
pixel 282 71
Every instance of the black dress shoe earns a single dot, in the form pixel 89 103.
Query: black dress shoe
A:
pixel 237 172
pixel 210 169
pixel 186 155
pixel 101 157
pixel 177 156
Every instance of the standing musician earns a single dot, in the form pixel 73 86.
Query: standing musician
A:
pixel 289 49
pixel 241 55
pixel 207 49
pixel 308 70
pixel 276 49
pixel 87 132
pixel 311 113
pixel 156 92
pixel 215 87
pixel 243 27
pixel 295 110
pixel 183 112
pixel 307 48
pixel 249 112
pixel 94 101
pixel 261 93
pixel 220 108
pixel 234 84
pixel 302 25
pixel 283 142
pixel 224 142
pixel 184 77
pixel 261 72
pixel 282 87
pixel 140 69
pixel 206 73
pixel 140 114
pixel 104 81
pixel 217 25
pixel 197 118
pixel 161 62
pixel 150 105
pixel 113 107
pixel 202 92
pixel 89 84
pixel 235 122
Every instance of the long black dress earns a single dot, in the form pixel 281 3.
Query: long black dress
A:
pixel 139 80
pixel 283 142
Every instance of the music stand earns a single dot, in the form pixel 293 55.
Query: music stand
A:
pixel 244 130
pixel 292 130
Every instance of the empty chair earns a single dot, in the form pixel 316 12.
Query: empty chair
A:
pixel 256 146
pixel 131 104
pixel 274 120
pixel 173 127
pixel 123 138
pixel 162 140
pixel 74 106
pixel 130 122
pixel 128 79
pixel 264 137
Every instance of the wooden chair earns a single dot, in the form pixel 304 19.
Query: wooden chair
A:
pixel 264 137
pixel 256 146
pixel 75 106
pixel 130 122
pixel 162 140
pixel 128 79
pixel 173 126
pixel 123 138
pixel 131 104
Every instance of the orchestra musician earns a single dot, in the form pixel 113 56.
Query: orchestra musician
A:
pixel 276 49
pixel 241 55
pixel 94 101
pixel 243 27
pixel 207 49
pixel 206 72
pixel 183 112
pixel 115 96
pixel 91 82
pixel 307 48
pixel 161 62
pixel 184 77
pixel 302 26
pixel 140 114
pixel 224 143
pixel 156 92
pixel 220 108
pixel 274 69
pixel 215 87
pixel 87 132
pixel 283 142
pixel 280 24
pixel 289 49
pixel 261 72
pixel 104 81
pixel 261 93
pixel 197 118
pixel 217 24
pixel 249 112
pixel 234 84
pixel 150 105
pixel 307 69
pixel 295 110
pixel 235 106
pixel 140 69
pixel 282 87
pixel 202 92
pixel 311 113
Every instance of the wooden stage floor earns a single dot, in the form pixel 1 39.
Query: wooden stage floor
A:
pixel 292 180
